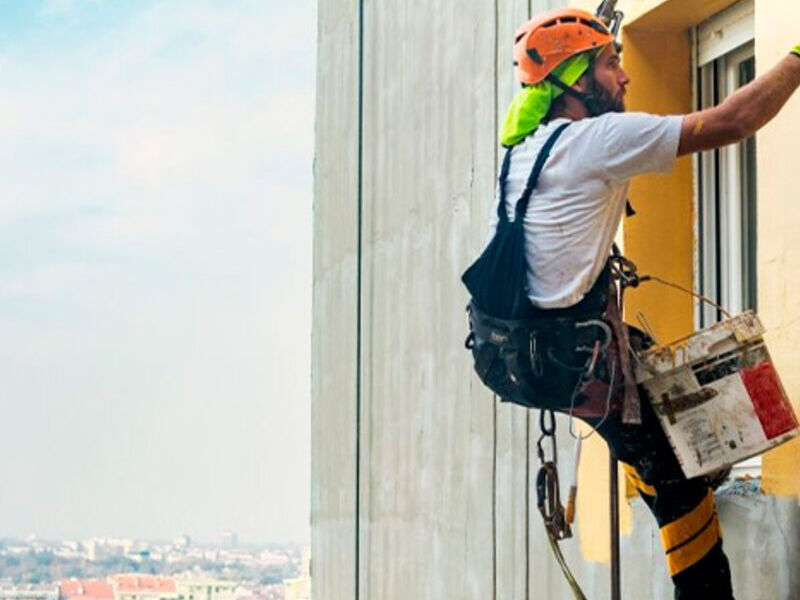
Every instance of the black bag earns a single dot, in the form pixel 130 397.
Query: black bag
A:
pixel 509 338
pixel 497 281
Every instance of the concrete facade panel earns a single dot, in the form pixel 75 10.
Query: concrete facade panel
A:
pixel 333 414
pixel 428 432
pixel 513 507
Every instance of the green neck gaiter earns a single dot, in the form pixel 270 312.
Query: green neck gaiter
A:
pixel 533 102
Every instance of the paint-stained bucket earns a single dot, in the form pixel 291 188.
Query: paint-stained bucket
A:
pixel 718 395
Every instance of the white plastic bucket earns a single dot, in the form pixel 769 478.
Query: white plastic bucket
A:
pixel 718 395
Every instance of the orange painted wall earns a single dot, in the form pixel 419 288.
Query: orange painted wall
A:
pixel 660 238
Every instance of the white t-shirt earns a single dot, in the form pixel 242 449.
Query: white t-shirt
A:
pixel 575 210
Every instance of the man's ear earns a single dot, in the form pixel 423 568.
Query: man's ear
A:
pixel 580 85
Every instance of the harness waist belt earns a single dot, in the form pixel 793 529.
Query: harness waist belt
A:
pixel 516 334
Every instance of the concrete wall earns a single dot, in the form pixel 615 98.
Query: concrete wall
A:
pixel 422 482
pixel 335 320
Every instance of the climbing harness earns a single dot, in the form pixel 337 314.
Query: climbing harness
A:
pixel 574 359
pixel 547 359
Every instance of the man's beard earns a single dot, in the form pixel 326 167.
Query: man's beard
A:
pixel 602 100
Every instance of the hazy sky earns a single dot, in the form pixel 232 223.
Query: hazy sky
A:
pixel 155 267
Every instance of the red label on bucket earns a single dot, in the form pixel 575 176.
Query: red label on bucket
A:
pixel 770 402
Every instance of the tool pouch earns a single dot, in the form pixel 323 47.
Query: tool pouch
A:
pixel 534 363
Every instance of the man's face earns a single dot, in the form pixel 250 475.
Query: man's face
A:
pixel 610 81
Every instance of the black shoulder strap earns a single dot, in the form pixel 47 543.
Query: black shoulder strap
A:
pixel 502 213
pixel 533 180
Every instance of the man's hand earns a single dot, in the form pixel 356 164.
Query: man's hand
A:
pixel 745 111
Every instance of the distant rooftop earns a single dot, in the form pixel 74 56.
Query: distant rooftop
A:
pixel 144 584
pixel 85 589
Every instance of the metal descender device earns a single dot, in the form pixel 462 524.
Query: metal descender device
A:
pixel 607 12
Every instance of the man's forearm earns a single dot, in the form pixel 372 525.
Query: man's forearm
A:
pixel 744 112
pixel 757 103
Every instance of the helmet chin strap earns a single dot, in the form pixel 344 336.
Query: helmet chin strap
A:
pixel 589 100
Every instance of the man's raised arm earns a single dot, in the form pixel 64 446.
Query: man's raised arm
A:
pixel 744 112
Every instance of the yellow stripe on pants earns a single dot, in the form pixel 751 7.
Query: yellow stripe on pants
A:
pixel 633 478
pixel 689 538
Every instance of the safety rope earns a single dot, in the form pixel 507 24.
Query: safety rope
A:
pixel 549 498
pixel 576 588
pixel 626 272
pixel 688 291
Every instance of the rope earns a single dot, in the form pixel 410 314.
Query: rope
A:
pixel 549 500
pixel 688 291
pixel 573 584
pixel 594 428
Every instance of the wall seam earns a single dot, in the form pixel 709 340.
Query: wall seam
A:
pixel 528 468
pixel 359 268
pixel 527 504
pixel 494 412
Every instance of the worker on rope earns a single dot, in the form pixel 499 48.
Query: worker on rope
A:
pixel 545 320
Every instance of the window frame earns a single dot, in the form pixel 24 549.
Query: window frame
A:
pixel 721 46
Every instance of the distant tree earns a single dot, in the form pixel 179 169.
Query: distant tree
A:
pixel 45 559
pixel 11 562
pixel 75 571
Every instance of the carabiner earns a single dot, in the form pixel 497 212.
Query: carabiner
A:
pixel 551 430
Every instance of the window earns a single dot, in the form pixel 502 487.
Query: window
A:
pixel 726 207
pixel 726 191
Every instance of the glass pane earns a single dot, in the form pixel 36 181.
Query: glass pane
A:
pixel 747 72
pixel 708 205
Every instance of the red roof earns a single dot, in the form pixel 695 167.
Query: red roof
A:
pixel 85 589
pixel 144 584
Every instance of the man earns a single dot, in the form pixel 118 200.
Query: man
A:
pixel 569 65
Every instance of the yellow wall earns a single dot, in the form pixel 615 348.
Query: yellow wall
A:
pixel 778 232
pixel 593 501
pixel 663 15
pixel 660 239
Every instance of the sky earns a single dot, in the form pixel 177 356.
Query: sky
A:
pixel 155 268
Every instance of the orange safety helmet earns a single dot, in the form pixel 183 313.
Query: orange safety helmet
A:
pixel 543 43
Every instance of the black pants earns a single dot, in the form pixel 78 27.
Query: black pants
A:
pixel 683 508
